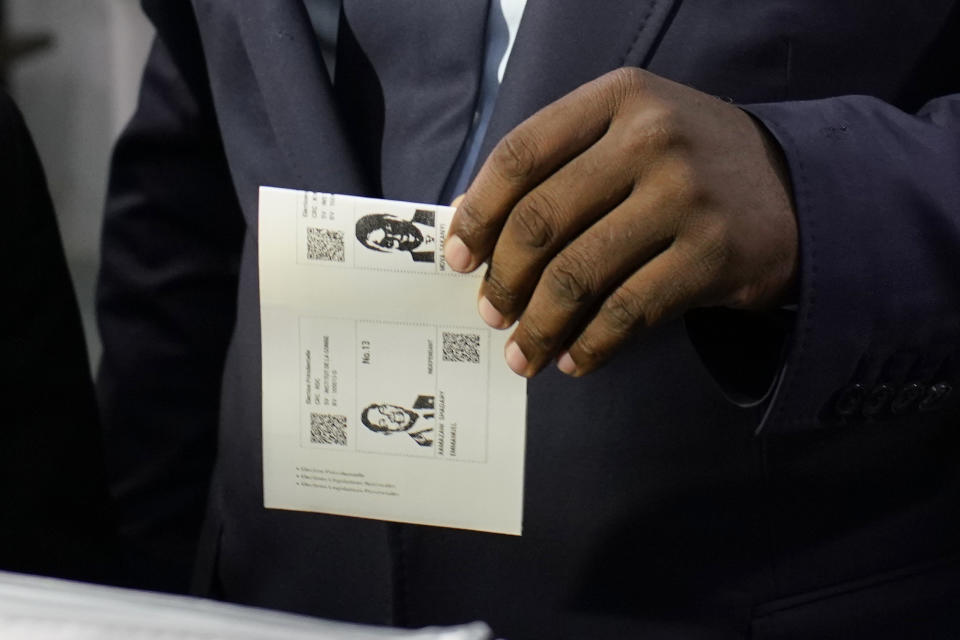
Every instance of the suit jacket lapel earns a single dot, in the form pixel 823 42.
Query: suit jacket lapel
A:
pixel 563 44
pixel 560 45
pixel 293 84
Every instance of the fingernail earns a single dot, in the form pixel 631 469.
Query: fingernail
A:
pixel 566 364
pixel 457 254
pixel 490 314
pixel 515 358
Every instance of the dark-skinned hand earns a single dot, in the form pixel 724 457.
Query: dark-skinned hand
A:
pixel 619 207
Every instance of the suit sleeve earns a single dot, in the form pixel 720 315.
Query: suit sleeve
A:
pixel 877 332
pixel 166 305
pixel 877 197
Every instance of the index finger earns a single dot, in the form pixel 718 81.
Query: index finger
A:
pixel 533 151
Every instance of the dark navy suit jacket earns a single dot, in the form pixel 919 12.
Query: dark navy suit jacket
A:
pixel 655 505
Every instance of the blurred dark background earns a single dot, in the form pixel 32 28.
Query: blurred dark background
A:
pixel 73 67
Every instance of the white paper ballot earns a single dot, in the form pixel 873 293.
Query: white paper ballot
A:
pixel 384 394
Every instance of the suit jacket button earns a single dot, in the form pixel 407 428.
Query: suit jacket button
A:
pixel 906 399
pixel 849 400
pixel 878 399
pixel 935 396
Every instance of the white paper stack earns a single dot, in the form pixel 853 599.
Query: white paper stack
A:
pixel 33 608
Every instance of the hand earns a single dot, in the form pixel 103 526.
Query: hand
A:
pixel 617 208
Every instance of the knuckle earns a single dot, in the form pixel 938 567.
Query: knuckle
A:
pixel 515 157
pixel 665 127
pixel 712 246
pixel 717 253
pixel 472 224
pixel 685 186
pixel 589 352
pixel 743 297
pixel 500 295
pixel 615 88
pixel 536 217
pixel 654 131
pixel 717 265
pixel 536 336
pixel 626 80
pixel 623 312
pixel 570 281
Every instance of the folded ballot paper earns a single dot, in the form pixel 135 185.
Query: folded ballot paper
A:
pixel 33 608
pixel 384 394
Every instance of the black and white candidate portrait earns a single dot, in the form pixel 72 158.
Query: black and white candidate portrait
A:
pixel 416 422
pixel 386 233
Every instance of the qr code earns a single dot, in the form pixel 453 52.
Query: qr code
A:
pixel 461 347
pixel 325 244
pixel 328 429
